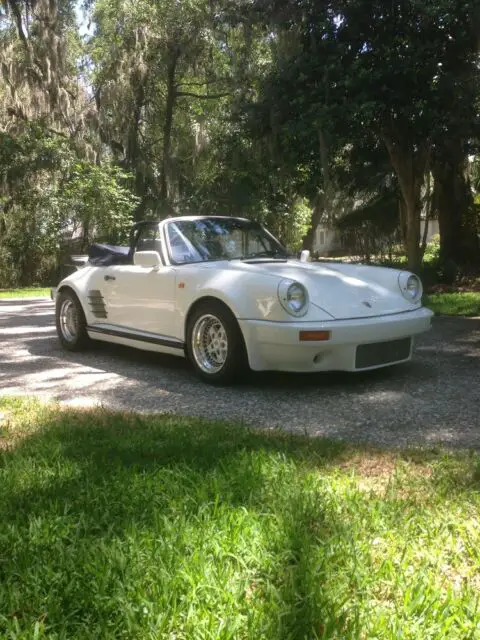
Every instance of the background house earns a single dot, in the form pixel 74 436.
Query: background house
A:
pixel 330 241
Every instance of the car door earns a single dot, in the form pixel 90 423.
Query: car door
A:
pixel 143 298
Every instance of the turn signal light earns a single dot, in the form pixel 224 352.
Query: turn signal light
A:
pixel 314 336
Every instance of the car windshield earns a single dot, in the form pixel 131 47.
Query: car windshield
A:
pixel 208 239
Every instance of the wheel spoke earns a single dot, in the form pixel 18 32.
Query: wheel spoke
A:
pixel 209 343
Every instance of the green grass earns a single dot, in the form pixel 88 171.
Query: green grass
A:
pixel 455 304
pixel 28 292
pixel 121 526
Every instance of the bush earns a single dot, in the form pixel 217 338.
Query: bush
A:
pixel 48 195
pixel 432 251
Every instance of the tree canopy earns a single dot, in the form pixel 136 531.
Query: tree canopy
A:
pixel 296 113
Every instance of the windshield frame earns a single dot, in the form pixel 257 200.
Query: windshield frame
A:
pixel 248 223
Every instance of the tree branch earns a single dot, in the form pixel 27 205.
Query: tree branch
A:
pixel 19 22
pixel 18 113
pixel 213 96
pixel 196 84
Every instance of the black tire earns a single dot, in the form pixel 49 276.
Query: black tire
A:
pixel 73 338
pixel 235 364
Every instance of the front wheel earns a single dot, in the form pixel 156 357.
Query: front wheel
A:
pixel 71 322
pixel 215 344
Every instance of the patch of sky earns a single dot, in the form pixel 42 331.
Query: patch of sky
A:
pixel 85 26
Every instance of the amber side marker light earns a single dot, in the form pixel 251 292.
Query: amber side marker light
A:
pixel 314 336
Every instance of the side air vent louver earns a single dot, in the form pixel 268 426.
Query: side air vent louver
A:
pixel 97 303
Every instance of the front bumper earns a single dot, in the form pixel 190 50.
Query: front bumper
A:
pixel 275 346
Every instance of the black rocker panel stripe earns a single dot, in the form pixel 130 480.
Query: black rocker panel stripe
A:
pixel 164 342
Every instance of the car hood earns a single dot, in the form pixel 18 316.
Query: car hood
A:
pixel 342 290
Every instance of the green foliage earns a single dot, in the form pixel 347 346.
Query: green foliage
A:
pixel 161 77
pixel 30 168
pixel 281 111
pixel 294 223
pixel 237 178
pixel 162 527
pixel 97 199
pixel 432 251
pixel 465 303
pixel 25 293
pixel 48 196
pixel 370 76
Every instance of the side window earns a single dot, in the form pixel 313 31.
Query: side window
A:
pixel 149 239
pixel 321 237
pixel 181 248
pixel 255 243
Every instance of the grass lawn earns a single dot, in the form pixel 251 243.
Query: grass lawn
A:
pixel 121 526
pixel 454 304
pixel 29 292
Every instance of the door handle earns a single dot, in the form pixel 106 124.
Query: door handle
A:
pixel 109 278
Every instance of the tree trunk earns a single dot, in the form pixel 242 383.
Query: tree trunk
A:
pixel 455 208
pixel 133 153
pixel 428 211
pixel 402 215
pixel 409 163
pixel 308 241
pixel 85 236
pixel 322 198
pixel 413 235
pixel 167 128
pixel 423 246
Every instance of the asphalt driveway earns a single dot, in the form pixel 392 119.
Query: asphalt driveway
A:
pixel 435 399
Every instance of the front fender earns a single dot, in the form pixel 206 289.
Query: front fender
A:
pixel 248 296
pixel 78 282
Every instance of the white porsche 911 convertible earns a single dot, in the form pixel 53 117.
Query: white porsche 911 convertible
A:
pixel 224 293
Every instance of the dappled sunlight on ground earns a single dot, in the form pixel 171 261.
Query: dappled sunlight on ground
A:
pixel 433 399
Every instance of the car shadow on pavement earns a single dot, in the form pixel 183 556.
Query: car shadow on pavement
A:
pixel 170 371
pixel 432 399
pixel 140 365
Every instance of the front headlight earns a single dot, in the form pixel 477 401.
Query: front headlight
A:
pixel 293 297
pixel 410 286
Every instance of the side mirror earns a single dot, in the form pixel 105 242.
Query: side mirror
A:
pixel 147 258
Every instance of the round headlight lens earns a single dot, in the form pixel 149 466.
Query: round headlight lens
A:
pixel 296 297
pixel 293 297
pixel 410 286
pixel 413 286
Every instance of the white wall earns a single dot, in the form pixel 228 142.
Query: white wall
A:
pixel 329 240
pixel 326 240
pixel 433 229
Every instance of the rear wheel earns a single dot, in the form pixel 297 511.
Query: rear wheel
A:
pixel 215 344
pixel 71 322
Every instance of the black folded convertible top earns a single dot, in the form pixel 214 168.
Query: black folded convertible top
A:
pixel 106 255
